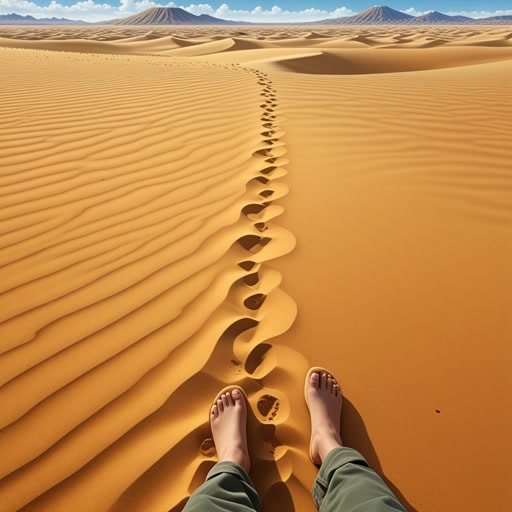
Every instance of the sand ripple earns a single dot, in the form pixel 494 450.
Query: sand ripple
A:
pixel 133 271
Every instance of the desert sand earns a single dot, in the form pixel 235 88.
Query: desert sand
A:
pixel 184 208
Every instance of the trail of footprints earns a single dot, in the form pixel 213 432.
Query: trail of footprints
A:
pixel 268 406
pixel 255 295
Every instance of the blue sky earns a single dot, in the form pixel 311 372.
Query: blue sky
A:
pixel 274 11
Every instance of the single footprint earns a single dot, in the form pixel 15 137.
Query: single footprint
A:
pixel 262 152
pixel 255 302
pixel 251 279
pixel 247 265
pixel 208 448
pixel 268 407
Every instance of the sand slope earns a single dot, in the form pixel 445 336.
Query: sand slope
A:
pixel 409 266
pixel 133 238
pixel 151 253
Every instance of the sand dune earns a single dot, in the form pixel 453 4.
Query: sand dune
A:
pixel 161 39
pixel 188 207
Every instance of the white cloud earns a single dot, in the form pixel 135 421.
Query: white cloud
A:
pixel 94 10
pixel 481 14
pixel 470 14
pixel 414 12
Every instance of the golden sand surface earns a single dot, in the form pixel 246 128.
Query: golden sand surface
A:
pixel 184 208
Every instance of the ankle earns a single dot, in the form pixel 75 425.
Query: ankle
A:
pixel 237 455
pixel 327 446
pixel 325 440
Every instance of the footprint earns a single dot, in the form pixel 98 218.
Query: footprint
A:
pixel 247 265
pixel 268 170
pixel 208 448
pixel 268 407
pixel 251 279
pixel 253 243
pixel 236 328
pixel 262 152
pixel 252 208
pixel 256 357
pixel 262 180
pixel 255 301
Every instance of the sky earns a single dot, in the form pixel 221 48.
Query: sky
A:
pixel 274 11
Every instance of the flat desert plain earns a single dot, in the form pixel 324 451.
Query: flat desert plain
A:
pixel 184 208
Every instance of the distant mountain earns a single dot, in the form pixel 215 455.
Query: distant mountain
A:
pixel 505 19
pixel 438 17
pixel 383 15
pixel 171 16
pixel 379 15
pixel 17 19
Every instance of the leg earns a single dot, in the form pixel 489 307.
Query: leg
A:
pixel 227 486
pixel 345 481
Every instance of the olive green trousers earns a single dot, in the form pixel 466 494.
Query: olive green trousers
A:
pixel 345 483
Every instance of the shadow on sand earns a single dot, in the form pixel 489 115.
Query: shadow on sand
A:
pixel 356 436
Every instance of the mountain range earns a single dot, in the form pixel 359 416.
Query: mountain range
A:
pixel 18 19
pixel 379 15
pixel 383 15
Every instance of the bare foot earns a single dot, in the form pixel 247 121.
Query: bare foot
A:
pixel 323 396
pixel 228 420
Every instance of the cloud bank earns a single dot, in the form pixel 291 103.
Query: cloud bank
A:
pixel 94 10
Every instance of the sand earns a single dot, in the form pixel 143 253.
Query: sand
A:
pixel 186 208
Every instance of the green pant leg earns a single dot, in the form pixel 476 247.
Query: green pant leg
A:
pixel 227 488
pixel 346 483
